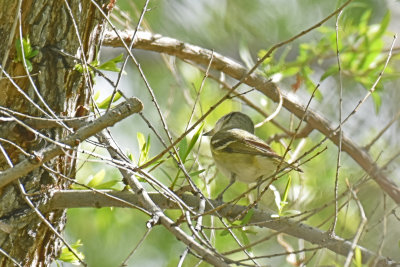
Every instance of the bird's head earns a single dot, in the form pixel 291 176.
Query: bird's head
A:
pixel 233 120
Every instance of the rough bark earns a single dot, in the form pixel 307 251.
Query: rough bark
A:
pixel 50 28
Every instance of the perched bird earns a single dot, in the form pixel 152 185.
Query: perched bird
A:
pixel 241 155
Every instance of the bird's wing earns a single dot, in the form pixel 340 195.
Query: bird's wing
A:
pixel 240 141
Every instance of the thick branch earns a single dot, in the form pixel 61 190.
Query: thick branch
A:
pixel 262 218
pixel 157 213
pixel 132 105
pixel 158 43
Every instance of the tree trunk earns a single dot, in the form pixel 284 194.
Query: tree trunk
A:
pixel 50 28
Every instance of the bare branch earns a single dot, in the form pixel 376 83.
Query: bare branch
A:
pixel 199 55
pixel 158 216
pixel 133 105
pixel 263 218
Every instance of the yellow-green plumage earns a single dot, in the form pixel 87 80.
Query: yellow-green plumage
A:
pixel 238 153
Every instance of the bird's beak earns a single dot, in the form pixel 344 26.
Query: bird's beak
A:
pixel 209 133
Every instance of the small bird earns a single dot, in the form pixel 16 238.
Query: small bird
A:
pixel 241 155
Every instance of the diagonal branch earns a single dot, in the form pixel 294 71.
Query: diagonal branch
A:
pixel 199 55
pixel 158 216
pixel 120 112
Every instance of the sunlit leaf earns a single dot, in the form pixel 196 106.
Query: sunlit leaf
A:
pixel 196 173
pixel 329 72
pixel 25 51
pixel 357 257
pixel 144 147
pixel 246 241
pixel 247 217
pixel 130 156
pixel 67 256
pixel 183 146
pixel 383 26
pixel 290 212
pixel 96 95
pixel 97 179
pixel 106 102
pixel 193 141
pixel 111 65
pixel 287 188
pixel 377 101
pixel 112 184
pixel 167 174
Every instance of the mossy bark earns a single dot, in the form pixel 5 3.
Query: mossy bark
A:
pixel 51 26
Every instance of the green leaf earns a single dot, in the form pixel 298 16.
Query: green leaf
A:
pixel 96 95
pixel 357 257
pixel 28 65
pixel 33 53
pixel 97 179
pixel 130 156
pixel 147 147
pixel 106 102
pixel 246 240
pixel 68 256
pixel 144 147
pixel 19 51
pixel 248 231
pixel 141 139
pixel 363 24
pixel 224 232
pixel 290 212
pixel 383 26
pixel 285 194
pixel 193 142
pixel 78 67
pixel 27 51
pixel 377 101
pixel 183 146
pixel 329 72
pixel 196 173
pixel 111 65
pixel 166 174
pixel 112 184
pixel 286 72
pixel 247 217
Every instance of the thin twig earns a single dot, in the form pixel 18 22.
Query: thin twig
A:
pixel 338 159
pixel 35 89
pixel 11 36
pixel 200 55
pixel 49 152
pixel 144 10
pixel 125 262
pixel 9 257
pixel 390 123
pixel 359 229
pixel 372 89
pixel 261 218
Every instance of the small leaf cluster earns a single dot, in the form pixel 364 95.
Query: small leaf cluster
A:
pixel 110 65
pixel 25 51
pixel 69 257
pixel 107 101
pixel 361 51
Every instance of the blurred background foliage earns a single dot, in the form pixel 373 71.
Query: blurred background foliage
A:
pixel 244 30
